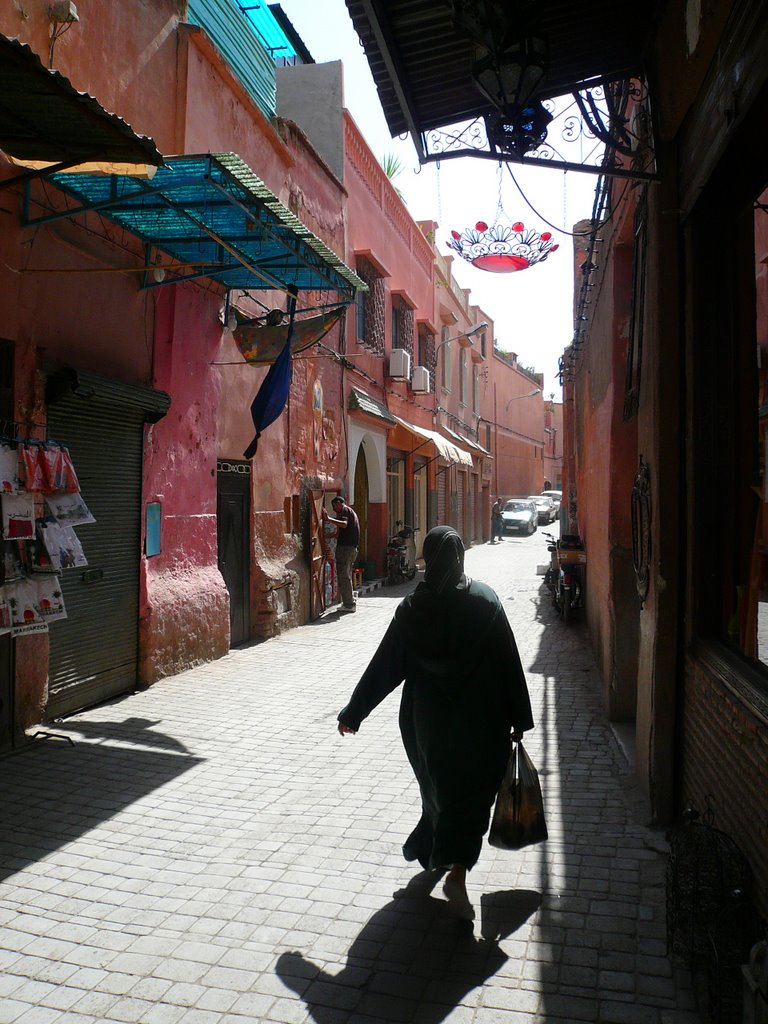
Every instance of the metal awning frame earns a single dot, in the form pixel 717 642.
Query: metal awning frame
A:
pixel 589 121
pixel 228 252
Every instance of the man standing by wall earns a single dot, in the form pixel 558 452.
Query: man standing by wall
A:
pixel 345 518
pixel 497 523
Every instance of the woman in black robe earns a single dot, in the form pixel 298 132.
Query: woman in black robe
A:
pixel 464 693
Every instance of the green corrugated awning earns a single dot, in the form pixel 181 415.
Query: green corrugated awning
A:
pixel 359 400
pixel 211 216
pixel 43 118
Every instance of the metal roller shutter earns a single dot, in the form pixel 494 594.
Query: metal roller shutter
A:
pixel 461 505
pixel 442 495
pixel 94 651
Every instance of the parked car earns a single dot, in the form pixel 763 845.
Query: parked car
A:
pixel 557 499
pixel 519 516
pixel 544 507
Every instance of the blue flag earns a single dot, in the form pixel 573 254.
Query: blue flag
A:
pixel 273 393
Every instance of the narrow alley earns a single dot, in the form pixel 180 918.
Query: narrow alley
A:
pixel 211 851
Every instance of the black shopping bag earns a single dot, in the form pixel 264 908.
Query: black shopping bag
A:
pixel 518 817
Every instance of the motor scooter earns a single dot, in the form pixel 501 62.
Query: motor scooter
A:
pixel 401 554
pixel 565 576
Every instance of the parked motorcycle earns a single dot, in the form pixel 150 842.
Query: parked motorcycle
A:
pixel 565 576
pixel 401 554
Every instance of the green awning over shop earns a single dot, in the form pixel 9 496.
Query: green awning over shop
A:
pixel 360 401
pixel 212 217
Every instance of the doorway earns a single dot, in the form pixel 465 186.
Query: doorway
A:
pixel 360 501
pixel 94 651
pixel 233 512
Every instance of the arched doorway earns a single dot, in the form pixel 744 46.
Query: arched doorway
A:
pixel 360 500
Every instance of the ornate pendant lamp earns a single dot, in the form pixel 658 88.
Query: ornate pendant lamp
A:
pixel 510 59
pixel 501 249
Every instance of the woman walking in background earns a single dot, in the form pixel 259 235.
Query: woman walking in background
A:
pixel 464 693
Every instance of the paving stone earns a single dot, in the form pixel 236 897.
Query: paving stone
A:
pixel 248 871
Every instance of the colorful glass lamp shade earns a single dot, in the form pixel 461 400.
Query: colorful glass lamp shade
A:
pixel 500 249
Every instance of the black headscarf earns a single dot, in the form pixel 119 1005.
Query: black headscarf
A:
pixel 444 558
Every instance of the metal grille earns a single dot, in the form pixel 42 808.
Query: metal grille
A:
pixel 373 307
pixel 405 325
pixel 461 505
pixel 427 353
pixel 710 923
pixel 94 651
pixel 442 496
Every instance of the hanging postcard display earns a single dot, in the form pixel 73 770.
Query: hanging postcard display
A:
pixel 9 469
pixel 40 502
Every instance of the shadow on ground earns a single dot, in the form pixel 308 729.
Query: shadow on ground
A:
pixel 54 791
pixel 412 961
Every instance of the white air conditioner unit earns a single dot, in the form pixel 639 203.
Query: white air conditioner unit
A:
pixel 400 364
pixel 420 380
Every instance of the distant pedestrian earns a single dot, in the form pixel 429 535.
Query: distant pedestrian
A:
pixel 345 519
pixel 497 522
pixel 464 693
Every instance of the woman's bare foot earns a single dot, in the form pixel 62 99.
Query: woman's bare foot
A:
pixel 455 889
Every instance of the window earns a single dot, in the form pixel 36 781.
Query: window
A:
pixel 476 389
pixel 482 344
pixel 729 506
pixel 360 302
pixel 402 325
pixel 446 359
pixel 463 377
pixel 426 353
pixel 369 313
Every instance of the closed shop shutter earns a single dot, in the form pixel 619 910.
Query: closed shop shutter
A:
pixel 477 492
pixel 94 651
pixel 442 496
pixel 472 508
pixel 461 504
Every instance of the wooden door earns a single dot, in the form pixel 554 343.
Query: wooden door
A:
pixel 233 531
pixel 318 556
pixel 361 502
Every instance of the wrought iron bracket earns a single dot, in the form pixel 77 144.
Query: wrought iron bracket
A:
pixel 603 128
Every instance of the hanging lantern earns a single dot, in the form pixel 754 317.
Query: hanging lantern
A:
pixel 501 249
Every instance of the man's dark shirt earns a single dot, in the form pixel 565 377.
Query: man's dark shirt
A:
pixel 349 536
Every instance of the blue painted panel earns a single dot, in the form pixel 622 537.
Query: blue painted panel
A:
pixel 243 46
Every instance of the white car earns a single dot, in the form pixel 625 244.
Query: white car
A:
pixel 519 515
pixel 557 499
pixel 545 508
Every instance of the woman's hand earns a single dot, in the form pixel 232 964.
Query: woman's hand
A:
pixel 516 736
pixel 343 729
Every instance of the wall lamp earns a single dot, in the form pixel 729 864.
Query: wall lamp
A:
pixel 516 398
pixel 465 334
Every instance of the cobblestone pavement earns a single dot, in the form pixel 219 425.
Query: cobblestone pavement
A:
pixel 211 851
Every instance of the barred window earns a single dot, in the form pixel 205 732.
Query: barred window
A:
pixel 426 353
pixel 445 348
pixel 370 308
pixel 402 325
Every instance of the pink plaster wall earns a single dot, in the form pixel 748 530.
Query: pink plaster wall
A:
pixel 184 613
pixel 124 54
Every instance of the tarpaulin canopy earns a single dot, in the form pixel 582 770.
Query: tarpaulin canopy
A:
pixel 467 441
pixel 449 451
pixel 45 120
pixel 261 342
pixel 213 217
